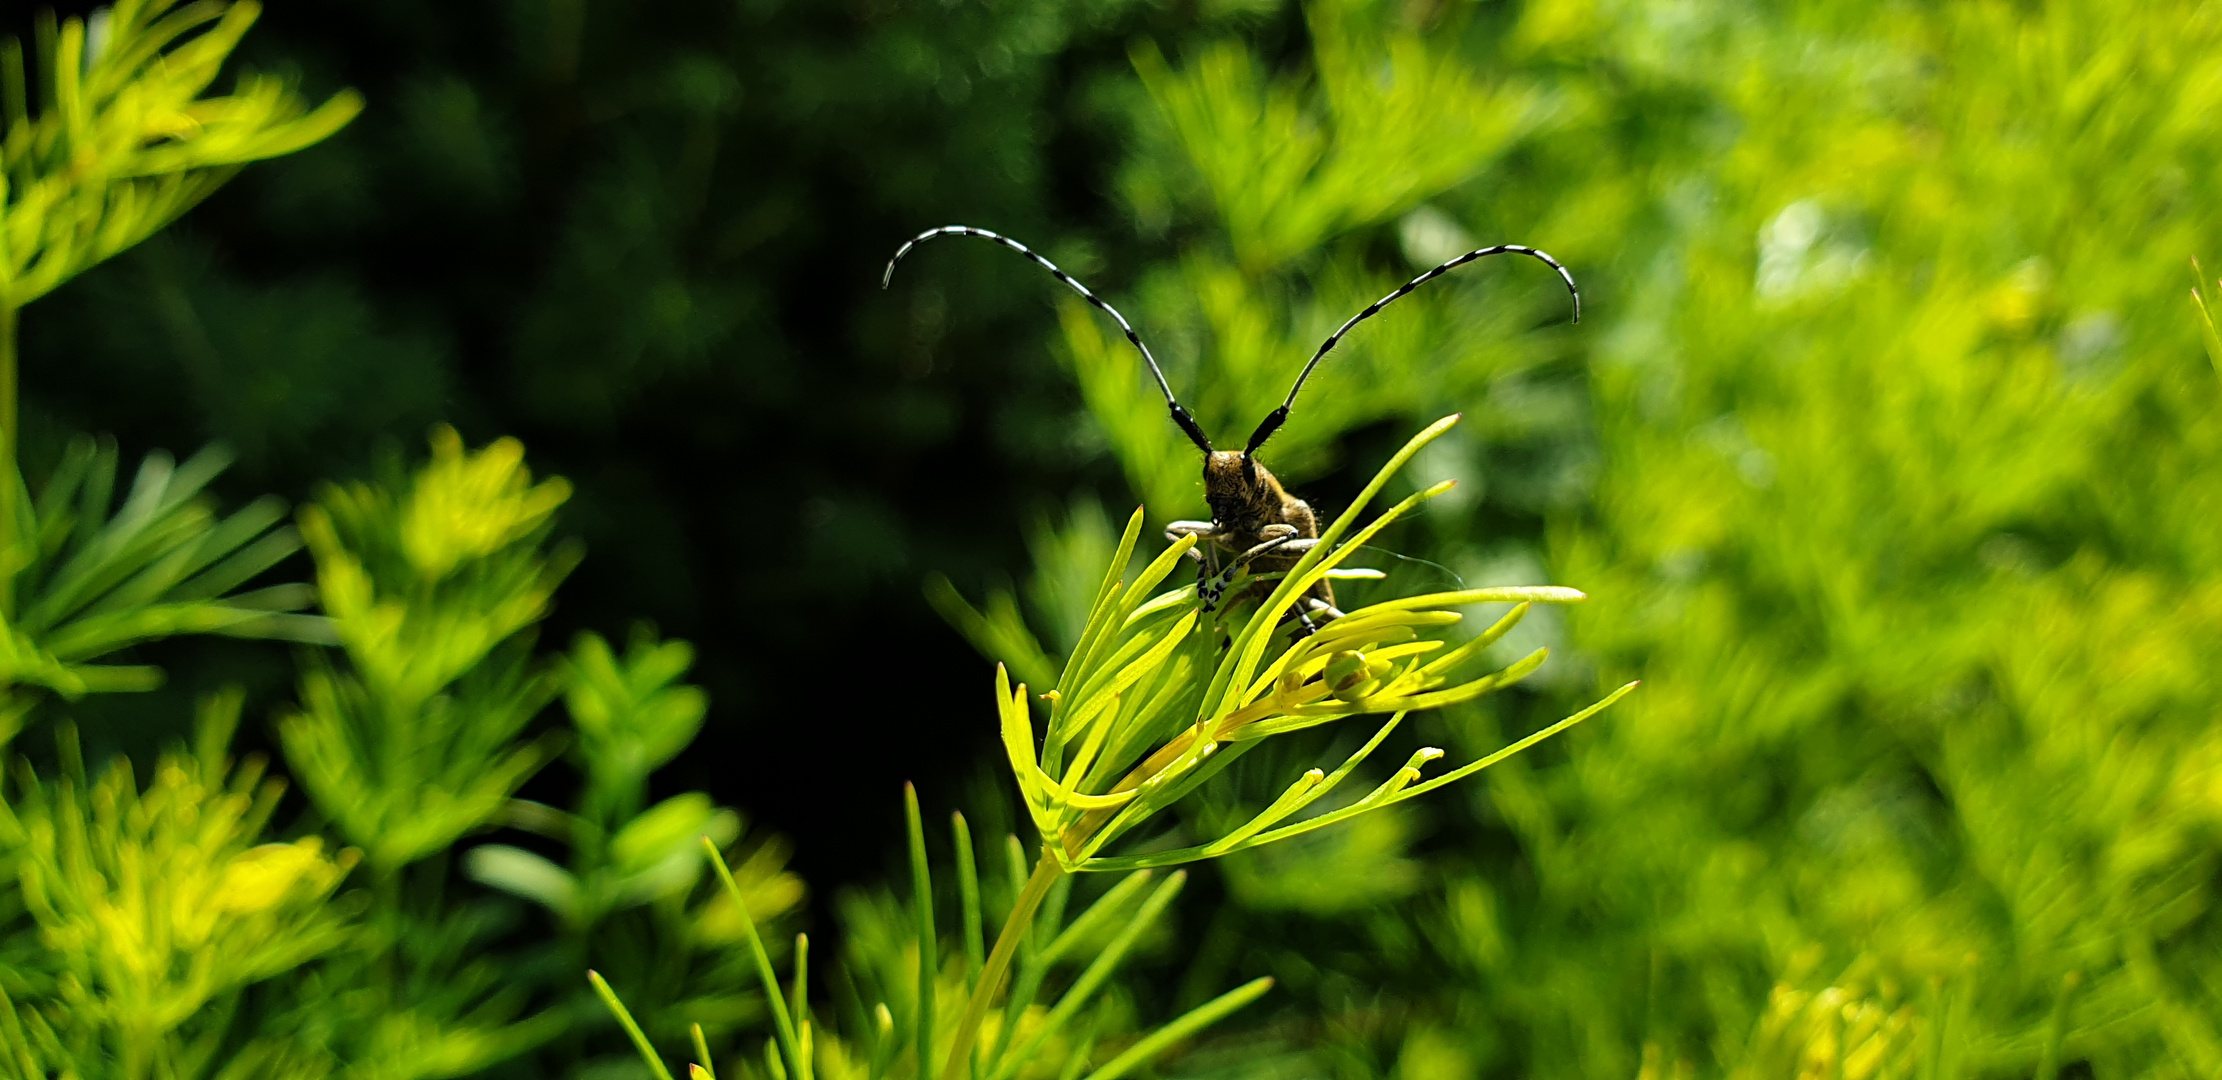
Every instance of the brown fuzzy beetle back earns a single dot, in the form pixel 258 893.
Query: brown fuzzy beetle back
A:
pixel 1245 499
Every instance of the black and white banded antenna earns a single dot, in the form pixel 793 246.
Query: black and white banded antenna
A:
pixel 1187 423
pixel 1274 419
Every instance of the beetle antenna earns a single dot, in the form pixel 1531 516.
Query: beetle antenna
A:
pixel 1274 419
pixel 1187 423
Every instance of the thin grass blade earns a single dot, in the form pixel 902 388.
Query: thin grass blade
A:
pixel 1191 1022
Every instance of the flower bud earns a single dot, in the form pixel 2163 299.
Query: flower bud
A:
pixel 1350 675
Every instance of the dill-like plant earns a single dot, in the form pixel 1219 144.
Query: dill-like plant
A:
pixel 1155 700
pixel 157 910
pixel 416 743
pixel 119 140
pixel 1892 439
pixel 146 932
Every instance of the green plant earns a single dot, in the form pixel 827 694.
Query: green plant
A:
pixel 431 585
pixel 1159 696
pixel 1390 118
pixel 139 922
pixel 434 584
pixel 121 140
pixel 430 592
pixel 636 901
pixel 121 143
pixel 414 736
pixel 158 909
pixel 630 720
pixel 1850 1029
pixel 903 981
pixel 1891 441
pixel 1124 704
pixel 91 580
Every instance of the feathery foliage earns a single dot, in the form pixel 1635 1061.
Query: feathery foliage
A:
pixel 429 592
pixel 121 139
pixel 1154 700
pixel 1891 443
pixel 906 975
pixel 157 910
pixel 1895 443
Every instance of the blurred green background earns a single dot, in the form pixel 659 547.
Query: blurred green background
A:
pixel 1888 451
pixel 646 241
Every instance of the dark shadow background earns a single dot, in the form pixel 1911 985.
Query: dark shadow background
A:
pixel 646 240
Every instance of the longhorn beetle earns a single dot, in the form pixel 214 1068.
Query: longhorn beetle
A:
pixel 1253 518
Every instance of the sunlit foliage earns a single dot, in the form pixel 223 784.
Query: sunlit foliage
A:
pixel 120 139
pixel 1890 438
pixel 158 909
pixel 1887 451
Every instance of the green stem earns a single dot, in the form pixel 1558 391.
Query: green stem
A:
pixel 386 977
pixel 8 469
pixel 1046 873
pixel 138 1050
pixel 632 1029
pixel 2048 1065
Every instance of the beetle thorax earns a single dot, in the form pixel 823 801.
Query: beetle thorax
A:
pixel 1245 498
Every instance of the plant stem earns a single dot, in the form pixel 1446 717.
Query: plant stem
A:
pixel 9 474
pixel 1078 836
pixel 386 886
pixel 138 1049
pixel 2048 1065
pixel 1046 873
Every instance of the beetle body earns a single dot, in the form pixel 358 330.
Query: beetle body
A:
pixel 1257 522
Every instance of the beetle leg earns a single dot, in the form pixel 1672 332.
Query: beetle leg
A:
pixel 1281 543
pixel 1205 532
pixel 1313 606
pixel 1211 586
pixel 1210 591
pixel 1202 530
